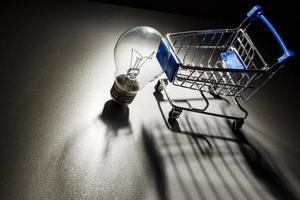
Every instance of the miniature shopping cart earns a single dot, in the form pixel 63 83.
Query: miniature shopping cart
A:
pixel 223 62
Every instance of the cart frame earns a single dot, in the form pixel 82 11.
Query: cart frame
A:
pixel 221 62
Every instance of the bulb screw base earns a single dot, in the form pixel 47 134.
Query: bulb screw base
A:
pixel 120 96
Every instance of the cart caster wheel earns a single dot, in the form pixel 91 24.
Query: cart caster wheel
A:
pixel 158 87
pixel 237 124
pixel 174 125
pixel 175 113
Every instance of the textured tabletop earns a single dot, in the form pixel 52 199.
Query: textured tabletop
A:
pixel 63 138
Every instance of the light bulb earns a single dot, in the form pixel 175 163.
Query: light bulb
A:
pixel 135 62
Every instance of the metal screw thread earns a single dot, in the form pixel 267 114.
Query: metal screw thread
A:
pixel 120 96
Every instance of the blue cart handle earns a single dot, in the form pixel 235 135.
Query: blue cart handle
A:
pixel 257 13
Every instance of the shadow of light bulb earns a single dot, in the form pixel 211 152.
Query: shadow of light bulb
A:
pixel 135 62
pixel 100 160
pixel 116 119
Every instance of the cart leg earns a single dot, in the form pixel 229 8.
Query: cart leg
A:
pixel 175 113
pixel 237 124
pixel 159 87
pixel 216 96
pixel 213 93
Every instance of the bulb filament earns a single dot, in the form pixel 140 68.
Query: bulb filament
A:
pixel 136 62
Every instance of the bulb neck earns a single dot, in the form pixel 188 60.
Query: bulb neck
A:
pixel 120 96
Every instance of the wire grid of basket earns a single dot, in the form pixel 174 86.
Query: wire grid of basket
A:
pixel 203 69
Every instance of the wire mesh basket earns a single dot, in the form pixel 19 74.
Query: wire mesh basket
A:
pixel 204 66
pixel 220 62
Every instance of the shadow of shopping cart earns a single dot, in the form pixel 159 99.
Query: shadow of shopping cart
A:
pixel 205 158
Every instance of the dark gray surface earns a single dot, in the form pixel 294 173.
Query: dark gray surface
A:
pixel 56 72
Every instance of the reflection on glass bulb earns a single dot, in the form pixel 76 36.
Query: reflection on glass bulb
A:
pixel 136 63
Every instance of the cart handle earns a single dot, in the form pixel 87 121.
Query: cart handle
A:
pixel 257 13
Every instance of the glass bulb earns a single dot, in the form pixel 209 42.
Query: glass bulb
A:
pixel 135 62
